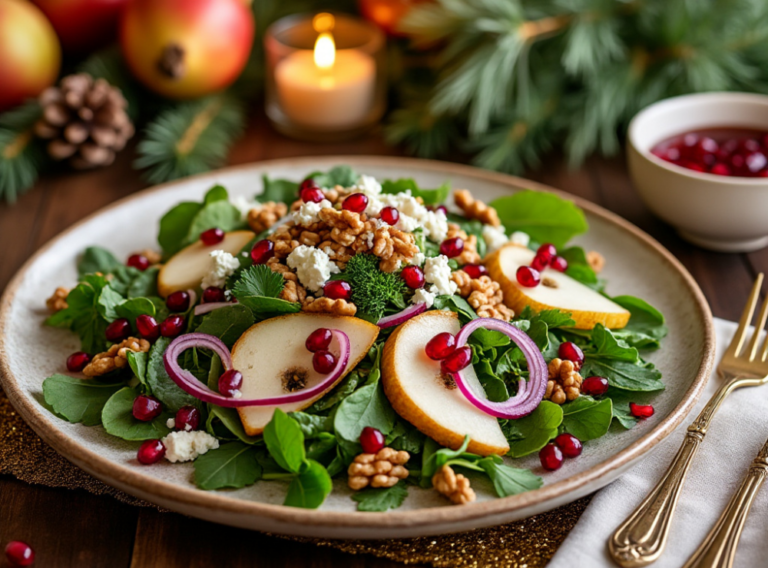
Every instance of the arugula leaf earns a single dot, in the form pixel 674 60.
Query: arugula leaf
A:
pixel 285 441
pixel 174 227
pixel 586 418
pixel 455 304
pixel 97 259
pixel 344 176
pixel 380 499
pixel 488 339
pixel 533 432
pixel 430 196
pixel 118 420
pixel 216 193
pixel 232 465
pixel 227 323
pixel 137 361
pixel 258 287
pixel 509 480
pixel 367 406
pixel 82 314
pixel 144 284
pixel 135 307
pixel 646 327
pixel 606 347
pixel 221 214
pixel 108 302
pixel 322 448
pixel 77 400
pixel 624 375
pixel 312 425
pixel 161 385
pixel 310 487
pixel 278 190
pixel 553 318
pixel 544 216
pixel 405 436
pixel 578 267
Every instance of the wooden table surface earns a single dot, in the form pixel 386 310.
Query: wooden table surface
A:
pixel 74 528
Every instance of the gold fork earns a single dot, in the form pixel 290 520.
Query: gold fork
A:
pixel 641 538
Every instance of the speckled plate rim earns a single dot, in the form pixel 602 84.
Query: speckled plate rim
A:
pixel 221 508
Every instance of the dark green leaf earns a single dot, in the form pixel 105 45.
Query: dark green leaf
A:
pixel 174 227
pixel 310 487
pixel 232 465
pixel 258 287
pixel 83 314
pixel 108 302
pixel 455 304
pixel 624 375
pixel 380 499
pixel 219 214
pixel 97 259
pixel 137 360
pixel 144 285
pixel 117 418
pixel 586 418
pixel 405 437
pixel 487 339
pixel 285 441
pixel 430 196
pixel 135 307
pixel 509 480
pixel 578 267
pixel 344 176
pixel 312 425
pixel 278 190
pixel 161 385
pixel 646 325
pixel 228 417
pixel 216 193
pixel 554 318
pixel 533 432
pixel 77 400
pixel 341 391
pixel 227 323
pixel 605 347
pixel 367 406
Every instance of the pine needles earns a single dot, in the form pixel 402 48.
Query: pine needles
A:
pixel 20 153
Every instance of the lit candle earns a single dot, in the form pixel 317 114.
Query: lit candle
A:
pixel 326 89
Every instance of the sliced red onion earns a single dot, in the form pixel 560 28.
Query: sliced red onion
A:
pixel 205 308
pixel 530 393
pixel 400 317
pixel 191 385
pixel 192 296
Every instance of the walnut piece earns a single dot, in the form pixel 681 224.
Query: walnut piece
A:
pixel 475 209
pixel 483 294
pixel 338 307
pixel 284 241
pixel 116 357
pixel 345 225
pixel 262 217
pixel 382 469
pixel 469 255
pixel 394 247
pixel 564 381
pixel 58 301
pixel 596 260
pixel 293 292
pixel 454 486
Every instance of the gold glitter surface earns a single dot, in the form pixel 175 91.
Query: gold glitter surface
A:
pixel 529 543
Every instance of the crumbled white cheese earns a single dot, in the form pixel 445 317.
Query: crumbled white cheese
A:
pixel 435 223
pixel 368 185
pixel 520 238
pixel 222 267
pixel 418 259
pixel 313 266
pixel 414 215
pixel 307 214
pixel 423 295
pixel 494 238
pixel 244 206
pixel 187 445
pixel 236 394
pixel 171 423
pixel 438 272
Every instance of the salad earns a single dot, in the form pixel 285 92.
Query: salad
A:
pixel 375 332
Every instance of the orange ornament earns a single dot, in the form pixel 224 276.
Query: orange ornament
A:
pixel 387 14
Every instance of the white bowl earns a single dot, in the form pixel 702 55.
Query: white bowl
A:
pixel 721 213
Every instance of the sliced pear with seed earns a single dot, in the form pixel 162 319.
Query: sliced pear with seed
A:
pixel 274 360
pixel 186 268
pixel 557 291
pixel 419 393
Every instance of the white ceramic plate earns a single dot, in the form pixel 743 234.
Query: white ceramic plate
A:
pixel 636 264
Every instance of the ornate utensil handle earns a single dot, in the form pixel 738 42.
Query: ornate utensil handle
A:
pixel 719 548
pixel 640 539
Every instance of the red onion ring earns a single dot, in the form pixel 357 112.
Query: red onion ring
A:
pixel 400 317
pixel 530 393
pixel 191 385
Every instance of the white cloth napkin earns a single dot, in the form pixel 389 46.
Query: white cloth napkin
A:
pixel 738 431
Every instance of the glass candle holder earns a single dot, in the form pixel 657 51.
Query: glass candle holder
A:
pixel 326 76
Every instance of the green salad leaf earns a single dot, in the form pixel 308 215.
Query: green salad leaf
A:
pixel 587 418
pixel 79 401
pixel 380 499
pixel 224 422
pixel 578 267
pixel 259 288
pixel 367 406
pixel 531 433
pixel 278 190
pixel 310 487
pixel 118 420
pixel 344 176
pixel 137 361
pixel 509 480
pixel 83 314
pixel 161 385
pixel 174 226
pixel 372 290
pixel 231 465
pixel 642 377
pixel 646 327
pixel 97 259
pixel 227 323
pixel 135 307
pixel 285 441
pixel 430 196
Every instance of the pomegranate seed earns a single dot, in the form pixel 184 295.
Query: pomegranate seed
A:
pixel 720 169
pixel 150 451
pixel 749 145
pixel 146 408
pixel 390 215
pixel 214 294
pixel 323 362
pixel 595 386
pixel 551 457
pixel 357 202
pixel 756 161
pixel 187 418
pixel 178 302
pixel 308 183
pixel 475 270
pixel 640 410
pixel 559 263
pixel 572 352
pixel 528 277
pixel 372 440
pixel 262 251
pixel 337 290
pixel 694 166
pixel 440 346
pixel 138 261
pixel 457 360
pixel 319 340
pixel 671 155
pixel 171 326
pixel 413 277
pixel 212 236
pixel 19 553
pixel 312 195
pixel 148 327
pixel 118 330
pixel 230 381
pixel 452 247
pixel 538 263
pixel 77 361
pixel 762 173
pixel 569 444
pixel 546 252
pixel 442 209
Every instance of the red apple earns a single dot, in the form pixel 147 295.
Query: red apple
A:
pixel 83 25
pixel 185 49
pixel 30 55
pixel 387 14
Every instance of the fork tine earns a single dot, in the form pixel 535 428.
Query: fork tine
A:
pixel 746 316
pixel 752 350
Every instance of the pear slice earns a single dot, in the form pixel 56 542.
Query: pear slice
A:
pixel 556 291
pixel 271 352
pixel 414 385
pixel 186 268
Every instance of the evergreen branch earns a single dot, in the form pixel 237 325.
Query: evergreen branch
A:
pixel 190 138
pixel 21 154
pixel 109 64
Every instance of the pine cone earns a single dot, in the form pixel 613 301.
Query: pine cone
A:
pixel 85 121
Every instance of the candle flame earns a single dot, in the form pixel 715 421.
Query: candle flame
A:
pixel 325 51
